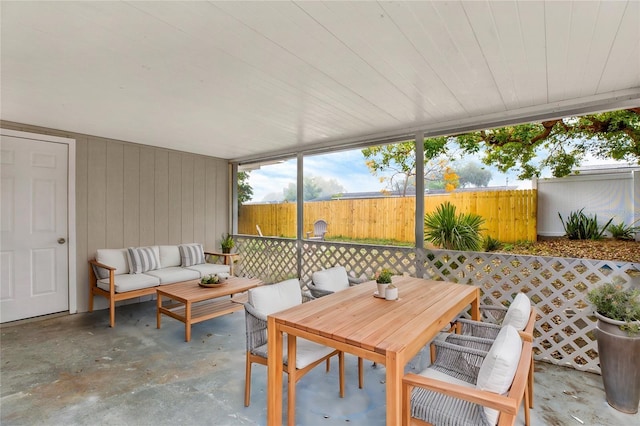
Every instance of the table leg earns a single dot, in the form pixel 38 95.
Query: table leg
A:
pixel 158 314
pixel 187 321
pixel 475 306
pixel 274 373
pixel 291 362
pixel 394 374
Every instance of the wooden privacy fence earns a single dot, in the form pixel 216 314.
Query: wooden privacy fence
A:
pixel 509 216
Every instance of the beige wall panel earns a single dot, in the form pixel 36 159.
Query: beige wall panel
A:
pixel 115 195
pixel 96 196
pixel 210 205
pixel 175 198
pixel 198 200
pixel 131 193
pixel 161 201
pixel 146 203
pixel 186 235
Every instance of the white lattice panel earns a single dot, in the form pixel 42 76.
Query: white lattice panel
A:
pixel 556 286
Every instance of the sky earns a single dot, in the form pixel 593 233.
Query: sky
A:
pixel 348 168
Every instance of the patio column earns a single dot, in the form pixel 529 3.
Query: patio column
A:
pixel 419 226
pixel 300 212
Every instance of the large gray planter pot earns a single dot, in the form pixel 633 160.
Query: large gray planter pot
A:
pixel 620 364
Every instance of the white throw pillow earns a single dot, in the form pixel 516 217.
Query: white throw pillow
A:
pixel 169 256
pixel 268 299
pixel 500 365
pixel 191 254
pixel 518 312
pixel 116 258
pixel 143 259
pixel 332 279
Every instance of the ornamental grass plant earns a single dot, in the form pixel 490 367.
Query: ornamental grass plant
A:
pixel 452 231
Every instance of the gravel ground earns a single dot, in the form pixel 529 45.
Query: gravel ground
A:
pixel 606 249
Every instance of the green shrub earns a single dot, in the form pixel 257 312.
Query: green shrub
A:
pixel 491 244
pixel 445 229
pixel 579 226
pixel 615 302
pixel 623 232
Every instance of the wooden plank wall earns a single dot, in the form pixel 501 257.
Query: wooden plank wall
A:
pixel 129 194
pixel 509 215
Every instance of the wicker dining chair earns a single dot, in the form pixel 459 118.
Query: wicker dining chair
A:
pixel 520 314
pixel 329 281
pixel 469 386
pixel 265 300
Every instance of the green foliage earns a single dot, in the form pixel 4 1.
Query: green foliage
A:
pixel 620 304
pixel 384 276
pixel 472 174
pixel 622 231
pixel 491 244
pixel 453 232
pixel 562 144
pixel 227 242
pixel 245 192
pixel 579 226
pixel 399 159
pixel 314 187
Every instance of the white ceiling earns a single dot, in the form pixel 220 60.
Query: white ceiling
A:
pixel 244 80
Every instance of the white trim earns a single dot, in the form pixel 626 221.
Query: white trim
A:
pixel 71 204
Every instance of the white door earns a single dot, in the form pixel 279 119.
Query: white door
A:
pixel 34 275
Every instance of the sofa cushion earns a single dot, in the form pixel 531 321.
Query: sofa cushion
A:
pixel 211 268
pixel 500 365
pixel 128 282
pixel 143 259
pixel 116 258
pixel 518 313
pixel 268 299
pixel 174 274
pixel 191 254
pixel 169 256
pixel 332 279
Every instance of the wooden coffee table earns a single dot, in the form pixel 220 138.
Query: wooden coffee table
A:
pixel 194 304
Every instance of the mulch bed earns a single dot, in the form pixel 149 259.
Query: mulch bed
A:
pixel 606 249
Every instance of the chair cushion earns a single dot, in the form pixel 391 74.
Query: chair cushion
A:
pixel 191 254
pixel 306 352
pixel 174 274
pixel 499 366
pixel 128 282
pixel 169 256
pixel 116 258
pixel 143 259
pixel 518 313
pixel 211 268
pixel 268 299
pixel 332 279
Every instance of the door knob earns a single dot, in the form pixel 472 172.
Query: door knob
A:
pixel 61 241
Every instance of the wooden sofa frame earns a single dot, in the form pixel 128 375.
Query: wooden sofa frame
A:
pixel 111 295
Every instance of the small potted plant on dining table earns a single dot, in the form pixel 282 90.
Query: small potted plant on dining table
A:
pixel 618 334
pixel 383 279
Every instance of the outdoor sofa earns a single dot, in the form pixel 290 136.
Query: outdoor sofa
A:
pixel 128 273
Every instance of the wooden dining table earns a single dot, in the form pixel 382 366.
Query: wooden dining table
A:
pixel 356 322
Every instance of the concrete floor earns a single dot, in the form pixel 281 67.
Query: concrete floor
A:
pixel 74 369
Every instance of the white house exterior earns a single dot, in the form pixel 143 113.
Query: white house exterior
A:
pixel 606 191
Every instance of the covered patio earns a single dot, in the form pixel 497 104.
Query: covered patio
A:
pixel 162 102
pixel 139 375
